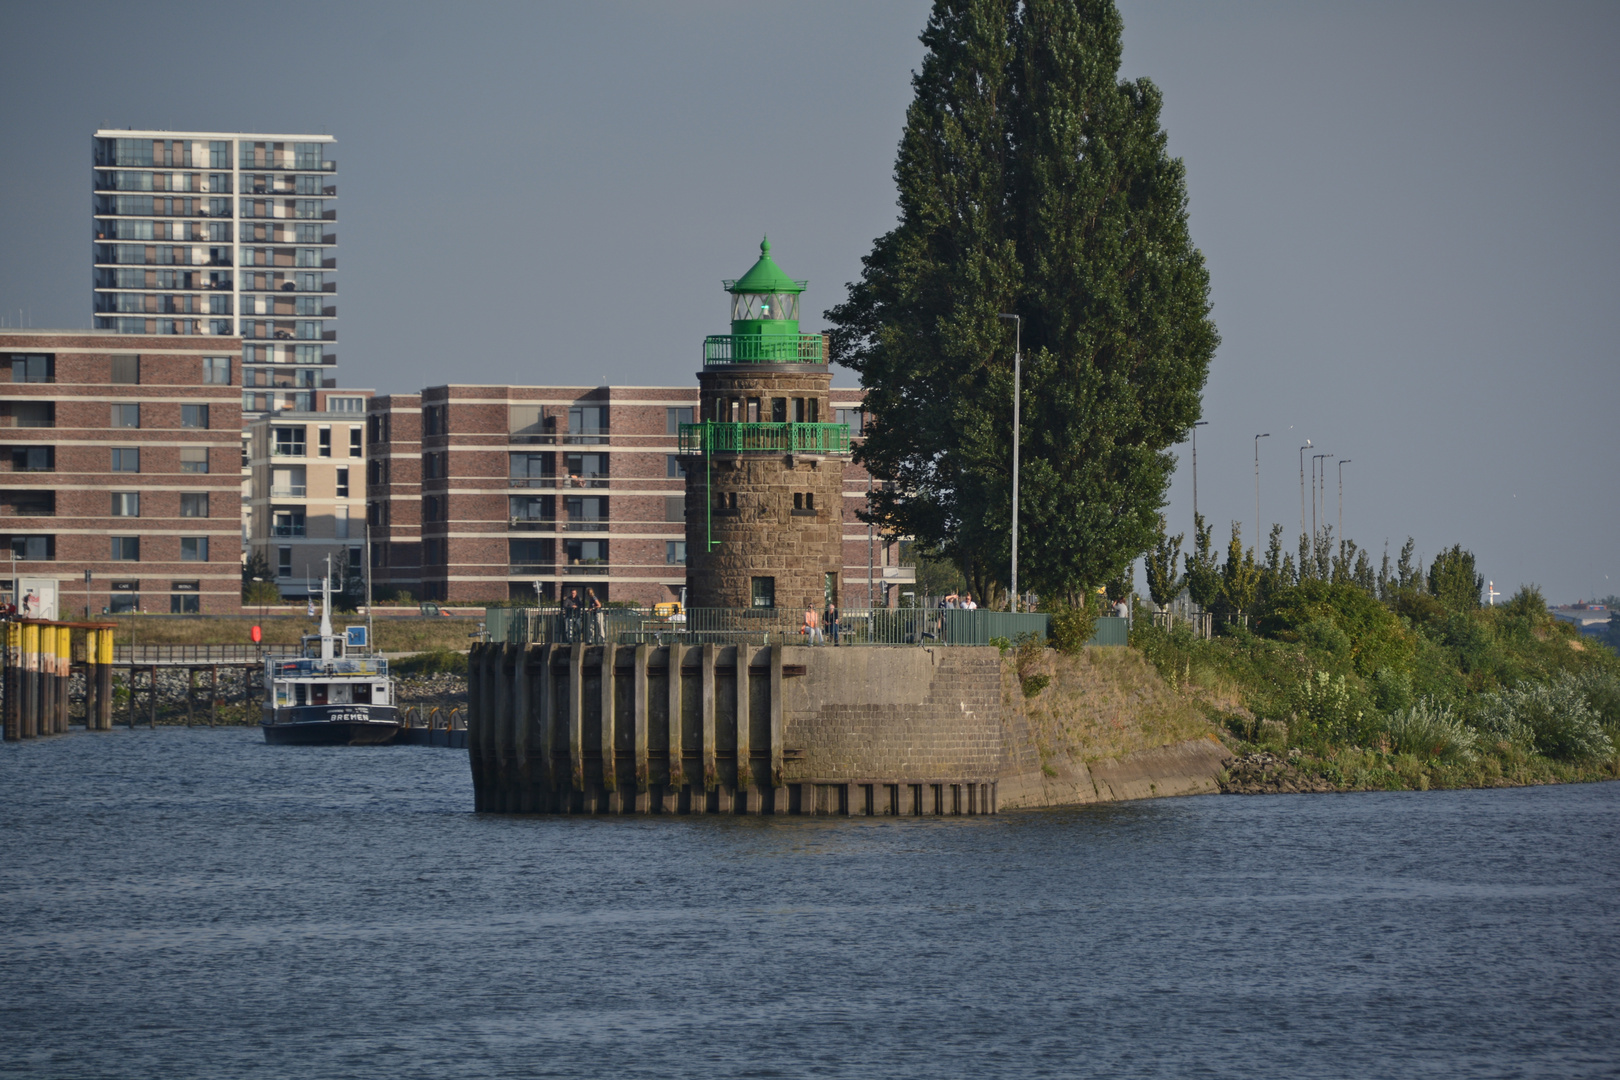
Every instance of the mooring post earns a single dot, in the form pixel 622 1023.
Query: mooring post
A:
pixel 213 694
pixel 711 776
pixel 610 764
pixel 576 715
pixel 45 675
pixel 746 788
pixel 13 656
pixel 64 673
pixel 151 697
pixel 104 674
pixel 548 722
pixel 521 719
pixel 672 791
pixel 30 680
pixel 90 679
pixel 777 726
pixel 638 691
pixel 191 694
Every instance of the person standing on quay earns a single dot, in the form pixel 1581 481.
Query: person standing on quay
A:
pixel 598 617
pixel 570 611
pixel 830 619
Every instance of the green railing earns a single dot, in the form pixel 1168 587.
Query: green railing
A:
pixel 776 626
pixel 764 349
pixel 711 437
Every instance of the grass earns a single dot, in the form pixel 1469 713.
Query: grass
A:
pixel 394 634
pixel 1100 703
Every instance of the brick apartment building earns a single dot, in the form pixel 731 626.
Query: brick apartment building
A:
pixel 307 491
pixel 123 458
pixel 486 492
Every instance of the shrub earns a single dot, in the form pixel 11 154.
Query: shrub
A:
pixel 434 662
pixel 1552 718
pixel 1323 708
pixel 1429 731
pixel 1391 690
pixel 1034 684
pixel 1304 613
pixel 1071 626
pixel 1602 692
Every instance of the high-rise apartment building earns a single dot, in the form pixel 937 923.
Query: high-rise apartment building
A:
pixel 223 234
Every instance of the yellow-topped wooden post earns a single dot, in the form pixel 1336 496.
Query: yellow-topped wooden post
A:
pixel 64 673
pixel 104 674
pixel 13 684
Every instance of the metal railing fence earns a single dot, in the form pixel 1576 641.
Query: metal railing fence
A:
pixel 775 626
pixel 765 437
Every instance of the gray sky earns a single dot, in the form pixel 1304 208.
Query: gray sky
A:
pixel 1408 212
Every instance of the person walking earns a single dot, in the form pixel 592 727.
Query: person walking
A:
pixel 830 618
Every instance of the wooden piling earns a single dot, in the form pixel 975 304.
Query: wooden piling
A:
pixel 746 788
pixel 676 777
pixel 711 777
pixel 610 766
pixel 638 690
pixel 151 696
pixel 64 676
pixel 30 681
pixel 104 674
pixel 576 715
pixel 45 671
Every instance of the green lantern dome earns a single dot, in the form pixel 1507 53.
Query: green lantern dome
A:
pixel 764 320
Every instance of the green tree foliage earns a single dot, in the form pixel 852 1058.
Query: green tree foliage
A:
pixel 1240 578
pixel 1376 639
pixel 1031 180
pixel 1203 570
pixel 1453 582
pixel 1164 567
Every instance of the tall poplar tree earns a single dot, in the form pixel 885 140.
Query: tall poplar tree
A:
pixel 1031 181
pixel 921 326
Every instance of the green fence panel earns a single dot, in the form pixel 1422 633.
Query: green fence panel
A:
pixel 1111 630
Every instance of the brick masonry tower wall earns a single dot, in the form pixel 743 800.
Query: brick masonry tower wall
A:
pixel 787 523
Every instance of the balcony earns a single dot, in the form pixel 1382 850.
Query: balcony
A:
pixel 764 349
pixel 286 531
pixel 295 491
pixel 532 482
pixel 764 438
pixel 523 524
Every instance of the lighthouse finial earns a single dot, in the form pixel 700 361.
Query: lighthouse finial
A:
pixel 765 246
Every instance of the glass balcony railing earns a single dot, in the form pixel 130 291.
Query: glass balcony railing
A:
pixel 764 349
pixel 764 438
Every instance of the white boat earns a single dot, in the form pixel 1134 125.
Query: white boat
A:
pixel 332 694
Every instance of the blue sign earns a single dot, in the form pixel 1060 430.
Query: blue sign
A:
pixel 354 637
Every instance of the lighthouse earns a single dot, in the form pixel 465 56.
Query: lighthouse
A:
pixel 764 473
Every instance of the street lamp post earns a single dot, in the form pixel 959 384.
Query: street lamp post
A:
pixel 1314 459
pixel 1018 388
pixel 1257 439
pixel 1302 450
pixel 1342 464
pixel 1196 425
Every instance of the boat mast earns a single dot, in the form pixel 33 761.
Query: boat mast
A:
pixel 326 610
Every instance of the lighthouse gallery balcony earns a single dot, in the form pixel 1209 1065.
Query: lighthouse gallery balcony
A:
pixel 764 438
pixel 764 349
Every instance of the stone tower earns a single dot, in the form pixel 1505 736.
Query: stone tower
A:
pixel 764 473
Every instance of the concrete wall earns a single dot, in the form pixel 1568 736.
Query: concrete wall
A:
pixel 903 731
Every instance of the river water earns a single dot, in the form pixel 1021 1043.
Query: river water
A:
pixel 193 903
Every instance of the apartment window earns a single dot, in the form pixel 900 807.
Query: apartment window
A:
pixel 288 482
pixel 675 418
pixel 32 547
pixel 531 470
pixel 340 522
pixel 675 508
pixel 126 416
pixel 194 416
pixel 356 560
pixel 33 368
pixel 219 155
pixel 590 470
pixel 126 370
pixel 587 513
pixel 126 459
pixel 194 459
pixel 30 414
pixel 430 508
pixel 779 410
pixel 343 483
pixel 124 599
pixel 434 419
pixel 194 504
pixel 586 422
pixel 763 592
pixel 126 548
pixel 531 508
pixel 194 549
pixel 753 410
pixel 126 504
pixel 288 442
pixel 33 459
pixel 287 523
pixel 374 428
pixel 674 466
pixel 185 603
pixel 675 552
pixel 324 442
pixel 852 417
pixel 356 446
pixel 531 552
pixel 284 562
pixel 587 552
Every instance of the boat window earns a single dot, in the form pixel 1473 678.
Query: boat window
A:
pixel 341 693
pixel 362 693
pixel 317 694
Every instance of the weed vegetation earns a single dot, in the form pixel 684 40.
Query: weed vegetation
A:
pixel 1402 684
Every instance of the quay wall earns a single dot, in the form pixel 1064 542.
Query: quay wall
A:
pixel 778 729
